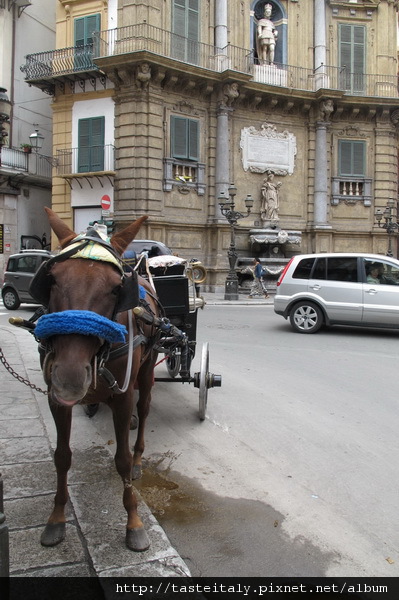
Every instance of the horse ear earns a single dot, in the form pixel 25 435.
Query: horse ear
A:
pixel 122 239
pixel 61 230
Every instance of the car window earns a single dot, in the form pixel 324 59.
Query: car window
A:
pixel 27 264
pixel 319 271
pixel 381 272
pixel 303 269
pixel 342 269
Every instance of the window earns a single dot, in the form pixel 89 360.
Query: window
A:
pixel 91 145
pixel 304 269
pixel 342 269
pixel 185 30
pixel 184 135
pixel 84 28
pixel 351 158
pixel 352 58
pixel 381 273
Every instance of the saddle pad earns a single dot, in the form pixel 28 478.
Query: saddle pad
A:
pixel 94 251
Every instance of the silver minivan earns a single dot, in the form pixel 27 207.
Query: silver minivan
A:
pixel 339 289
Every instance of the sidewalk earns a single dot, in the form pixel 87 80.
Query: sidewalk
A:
pixel 218 298
pixel 94 544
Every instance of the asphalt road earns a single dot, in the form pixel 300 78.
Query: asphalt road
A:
pixel 294 471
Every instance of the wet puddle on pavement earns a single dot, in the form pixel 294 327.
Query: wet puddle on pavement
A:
pixel 222 536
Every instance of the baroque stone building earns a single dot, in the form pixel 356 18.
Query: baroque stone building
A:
pixel 160 105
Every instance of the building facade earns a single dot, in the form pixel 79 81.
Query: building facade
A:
pixel 159 106
pixel 25 177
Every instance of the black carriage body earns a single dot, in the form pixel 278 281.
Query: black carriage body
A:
pixel 173 293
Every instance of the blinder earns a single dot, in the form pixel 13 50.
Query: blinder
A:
pixel 129 293
pixel 40 288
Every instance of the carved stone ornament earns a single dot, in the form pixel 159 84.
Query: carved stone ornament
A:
pixel 267 149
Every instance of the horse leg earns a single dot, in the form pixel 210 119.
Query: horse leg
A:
pixel 144 381
pixel 54 531
pixel 136 536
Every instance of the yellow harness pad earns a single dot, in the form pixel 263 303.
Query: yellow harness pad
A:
pixel 94 251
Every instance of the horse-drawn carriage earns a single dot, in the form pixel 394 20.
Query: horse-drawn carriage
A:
pixel 92 306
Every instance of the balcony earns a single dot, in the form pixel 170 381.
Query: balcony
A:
pixel 185 175
pixel 161 43
pixel 86 162
pixel 351 190
pixel 44 69
pixel 35 167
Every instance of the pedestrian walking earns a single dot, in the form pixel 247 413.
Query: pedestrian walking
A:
pixel 258 287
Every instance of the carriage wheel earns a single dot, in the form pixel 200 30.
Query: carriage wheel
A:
pixel 173 362
pixel 203 381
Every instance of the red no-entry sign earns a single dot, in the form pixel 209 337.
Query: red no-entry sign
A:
pixel 106 202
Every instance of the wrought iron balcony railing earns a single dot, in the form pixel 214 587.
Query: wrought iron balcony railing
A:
pixel 17 161
pixel 159 42
pixel 92 159
pixel 145 37
pixel 52 63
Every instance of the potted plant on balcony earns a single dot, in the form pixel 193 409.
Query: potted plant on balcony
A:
pixel 26 148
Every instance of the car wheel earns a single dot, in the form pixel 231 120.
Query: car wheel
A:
pixel 306 317
pixel 10 299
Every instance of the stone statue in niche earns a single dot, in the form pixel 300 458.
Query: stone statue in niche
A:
pixel 270 202
pixel 266 38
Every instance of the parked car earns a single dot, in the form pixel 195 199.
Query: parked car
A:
pixel 19 273
pixel 339 289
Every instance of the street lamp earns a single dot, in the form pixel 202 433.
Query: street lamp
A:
pixel 5 111
pixel 391 225
pixel 227 206
pixel 36 140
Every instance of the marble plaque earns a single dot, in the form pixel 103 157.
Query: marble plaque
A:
pixel 267 149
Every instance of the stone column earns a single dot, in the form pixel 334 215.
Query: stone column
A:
pixel 222 162
pixel 320 178
pixel 221 23
pixel 319 33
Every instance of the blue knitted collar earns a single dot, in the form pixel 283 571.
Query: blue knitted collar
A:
pixel 84 322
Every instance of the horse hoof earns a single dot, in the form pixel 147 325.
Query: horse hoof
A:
pixel 136 472
pixel 53 534
pixel 137 539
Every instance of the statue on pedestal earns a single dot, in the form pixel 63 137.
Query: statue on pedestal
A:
pixel 270 198
pixel 266 38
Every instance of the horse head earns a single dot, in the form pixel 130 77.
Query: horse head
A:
pixel 83 296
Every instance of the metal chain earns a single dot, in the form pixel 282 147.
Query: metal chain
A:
pixel 19 377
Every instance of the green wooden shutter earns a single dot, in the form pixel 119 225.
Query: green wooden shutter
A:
pixel 84 27
pixel 83 146
pixel 185 30
pixel 193 139
pixel 179 137
pixel 91 144
pixel 97 144
pixel 351 158
pixel 358 158
pixel 184 138
pixel 352 44
pixel 80 31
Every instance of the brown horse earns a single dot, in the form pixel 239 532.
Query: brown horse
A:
pixel 68 286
